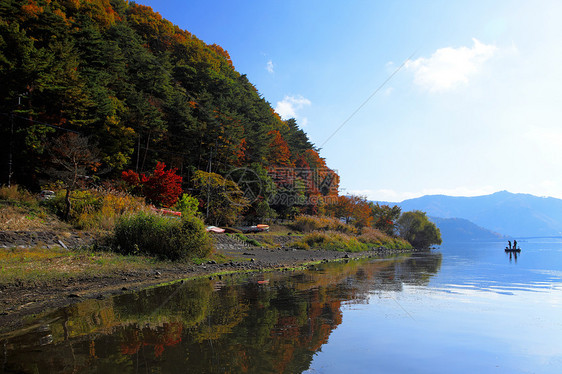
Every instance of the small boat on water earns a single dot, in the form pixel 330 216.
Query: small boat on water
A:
pixel 516 250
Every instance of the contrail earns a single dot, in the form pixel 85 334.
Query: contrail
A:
pixel 369 98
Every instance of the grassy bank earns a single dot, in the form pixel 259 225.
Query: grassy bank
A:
pixel 332 234
pixel 36 264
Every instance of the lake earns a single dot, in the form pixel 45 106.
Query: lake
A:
pixel 462 308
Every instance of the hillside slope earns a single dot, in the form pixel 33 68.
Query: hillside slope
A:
pixel 462 230
pixel 138 87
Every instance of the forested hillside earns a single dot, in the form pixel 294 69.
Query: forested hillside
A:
pixel 142 91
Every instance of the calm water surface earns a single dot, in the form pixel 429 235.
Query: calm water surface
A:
pixel 462 309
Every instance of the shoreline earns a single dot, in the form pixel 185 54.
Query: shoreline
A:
pixel 19 301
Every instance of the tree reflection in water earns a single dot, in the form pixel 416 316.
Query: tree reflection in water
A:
pixel 238 324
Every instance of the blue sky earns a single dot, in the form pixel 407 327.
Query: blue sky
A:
pixel 476 109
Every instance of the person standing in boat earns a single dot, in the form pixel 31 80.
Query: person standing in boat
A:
pixel 509 242
pixel 515 244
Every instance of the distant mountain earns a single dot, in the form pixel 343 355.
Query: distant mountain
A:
pixel 517 215
pixel 462 230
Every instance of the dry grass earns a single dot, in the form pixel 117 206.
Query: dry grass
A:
pixel 306 224
pixel 111 205
pixel 17 194
pixel 331 241
pixel 338 241
pixel 20 211
pixel 96 209
pixel 15 218
pixel 377 238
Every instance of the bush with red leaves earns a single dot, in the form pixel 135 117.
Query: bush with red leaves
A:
pixel 161 188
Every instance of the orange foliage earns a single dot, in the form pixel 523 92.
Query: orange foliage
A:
pixel 31 9
pixel 241 152
pixel 99 10
pixel 217 48
pixel 353 208
pixel 279 149
pixel 313 159
pixel 62 15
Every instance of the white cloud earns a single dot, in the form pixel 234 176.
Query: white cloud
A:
pixel 449 67
pixel 288 107
pixel 269 67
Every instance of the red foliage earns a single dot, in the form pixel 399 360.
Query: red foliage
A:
pixel 131 178
pixel 162 187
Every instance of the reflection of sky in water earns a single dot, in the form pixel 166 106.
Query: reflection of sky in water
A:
pixel 480 313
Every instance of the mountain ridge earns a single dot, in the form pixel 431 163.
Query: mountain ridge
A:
pixel 463 230
pixel 509 214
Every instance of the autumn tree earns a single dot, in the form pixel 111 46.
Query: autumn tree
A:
pixel 221 199
pixel 385 217
pixel 353 209
pixel 73 160
pixel 279 153
pixel 161 187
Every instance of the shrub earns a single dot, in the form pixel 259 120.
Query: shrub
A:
pixel 162 187
pixel 187 205
pixel 306 223
pixel 163 237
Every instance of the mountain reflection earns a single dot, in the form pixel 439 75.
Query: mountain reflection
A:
pixel 266 322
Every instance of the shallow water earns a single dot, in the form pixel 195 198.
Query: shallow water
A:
pixel 463 308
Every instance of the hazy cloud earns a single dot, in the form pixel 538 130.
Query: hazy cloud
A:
pixel 269 67
pixel 290 105
pixel 399 196
pixel 449 67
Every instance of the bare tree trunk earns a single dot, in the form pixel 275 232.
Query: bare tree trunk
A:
pixel 68 204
